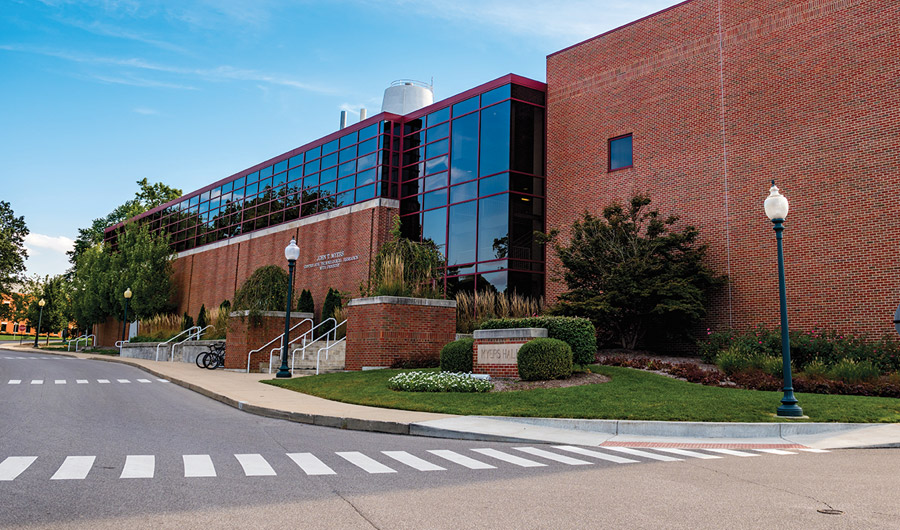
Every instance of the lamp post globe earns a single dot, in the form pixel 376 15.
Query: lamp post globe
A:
pixel 37 332
pixel 127 295
pixel 776 206
pixel 291 253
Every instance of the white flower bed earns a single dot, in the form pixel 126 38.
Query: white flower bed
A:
pixel 438 382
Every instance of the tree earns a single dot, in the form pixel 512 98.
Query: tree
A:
pixel 306 304
pixel 12 248
pixel 55 291
pixel 264 290
pixel 332 302
pixel 202 318
pixel 634 274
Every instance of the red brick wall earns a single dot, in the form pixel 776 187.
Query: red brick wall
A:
pixel 106 333
pixel 243 337
pixel 213 275
pixel 380 334
pixel 720 98
pixel 496 370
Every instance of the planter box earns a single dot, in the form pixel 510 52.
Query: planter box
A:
pixel 244 337
pixel 384 330
pixel 186 353
pixel 496 350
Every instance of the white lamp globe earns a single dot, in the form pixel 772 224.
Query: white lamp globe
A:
pixel 776 204
pixel 127 293
pixel 292 251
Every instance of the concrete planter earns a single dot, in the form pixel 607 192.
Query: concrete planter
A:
pixel 384 330
pixel 186 352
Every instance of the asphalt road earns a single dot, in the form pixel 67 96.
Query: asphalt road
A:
pixel 166 457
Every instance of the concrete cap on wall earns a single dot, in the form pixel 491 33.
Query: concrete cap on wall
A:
pixel 511 333
pixel 270 314
pixel 402 300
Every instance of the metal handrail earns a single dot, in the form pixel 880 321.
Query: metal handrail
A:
pixel 257 350
pixel 86 337
pixel 193 336
pixel 301 337
pixel 188 330
pixel 327 348
pixel 119 344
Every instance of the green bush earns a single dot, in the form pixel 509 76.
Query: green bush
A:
pixel 306 303
pixel 202 318
pixel 264 290
pixel 732 360
pixel 816 369
pixel 542 359
pixel 577 332
pixel 331 303
pixel 187 321
pixel 737 359
pixel 853 372
pixel 456 356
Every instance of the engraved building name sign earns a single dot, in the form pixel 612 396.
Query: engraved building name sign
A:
pixel 498 353
pixel 332 260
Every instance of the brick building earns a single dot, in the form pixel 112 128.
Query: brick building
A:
pixel 699 105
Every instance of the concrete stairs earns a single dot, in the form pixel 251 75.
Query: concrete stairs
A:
pixel 334 362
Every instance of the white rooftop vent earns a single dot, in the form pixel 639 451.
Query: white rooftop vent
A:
pixel 405 96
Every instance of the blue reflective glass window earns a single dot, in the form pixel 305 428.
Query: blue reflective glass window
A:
pixel 496 184
pixel 343 199
pixel 330 147
pixel 228 186
pixel 279 180
pixel 193 201
pixel 434 227
pixel 462 225
pixel 311 167
pixel 328 188
pixel 238 194
pixel 253 177
pixel 434 199
pixel 310 181
pixel 295 173
pixel 330 160
pixel 348 154
pixel 365 162
pixel 464 192
pixel 296 160
pixel 347 169
pixel 204 197
pixel 348 140
pixel 366 177
pixel 620 152
pixel 412 187
pixel 464 149
pixel 265 184
pixel 365 193
pixel 265 172
pixel 437 116
pixel 239 182
pixel 494 152
pixel 368 146
pixel 493 227
pixel 465 106
pixel 368 132
pixel 436 164
pixel 436 181
pixel 345 184
pixel 328 174
pixel 315 152
pixel 436 149
pixel 437 132
pixel 498 94
pixel 498 280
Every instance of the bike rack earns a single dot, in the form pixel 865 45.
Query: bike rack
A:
pixel 86 337
pixel 193 336
pixel 173 338
pixel 257 350
pixel 327 348
pixel 305 343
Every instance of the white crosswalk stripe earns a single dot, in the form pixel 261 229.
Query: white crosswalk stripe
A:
pixel 147 380
pixel 506 457
pixel 163 380
pixel 685 452
pixel 74 468
pixel 19 381
pixel 814 450
pixel 462 460
pixel 553 456
pixel 81 381
pixel 255 465
pixel 413 461
pixel 13 466
pixel 139 466
pixel 644 454
pixel 37 381
pixel 731 452
pixel 198 466
pixel 596 454
pixel 364 462
pixel 60 381
pixel 310 464
pixel 776 451
pixel 123 380
pixel 103 381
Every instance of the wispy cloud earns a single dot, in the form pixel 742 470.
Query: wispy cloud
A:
pixel 58 244
pixel 141 82
pixel 146 111
pixel 107 30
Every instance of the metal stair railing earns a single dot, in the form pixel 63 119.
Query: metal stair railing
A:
pixel 161 344
pixel 305 343
pixel 193 336
pixel 326 349
pixel 86 337
pixel 257 350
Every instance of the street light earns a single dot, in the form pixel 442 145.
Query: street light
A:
pixel 776 207
pixel 40 317
pixel 127 296
pixel 291 252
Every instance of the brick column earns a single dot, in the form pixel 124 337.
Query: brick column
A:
pixel 244 337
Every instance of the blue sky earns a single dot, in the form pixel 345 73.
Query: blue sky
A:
pixel 97 94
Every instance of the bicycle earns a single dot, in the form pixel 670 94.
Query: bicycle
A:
pixel 212 359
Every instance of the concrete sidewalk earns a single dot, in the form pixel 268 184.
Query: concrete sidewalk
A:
pixel 245 392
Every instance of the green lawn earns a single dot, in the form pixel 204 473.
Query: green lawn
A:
pixel 17 337
pixel 631 394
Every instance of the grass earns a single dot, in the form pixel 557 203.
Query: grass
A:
pixel 630 394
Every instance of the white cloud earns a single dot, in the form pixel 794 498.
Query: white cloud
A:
pixel 60 244
pixel 47 254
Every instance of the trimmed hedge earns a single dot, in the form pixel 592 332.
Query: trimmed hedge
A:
pixel 456 356
pixel 577 332
pixel 542 359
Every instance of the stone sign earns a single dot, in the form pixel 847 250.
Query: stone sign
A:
pixel 498 353
pixel 332 260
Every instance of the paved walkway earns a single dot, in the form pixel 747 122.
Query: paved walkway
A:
pixel 245 392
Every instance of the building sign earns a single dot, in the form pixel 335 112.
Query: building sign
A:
pixel 330 261
pixel 498 353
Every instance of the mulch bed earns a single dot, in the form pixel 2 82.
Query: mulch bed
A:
pixel 502 384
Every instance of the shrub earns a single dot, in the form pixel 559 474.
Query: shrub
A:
pixel 415 361
pixel 225 305
pixel 160 327
pixel 332 302
pixel 542 359
pixel 403 267
pixel 578 333
pixel 202 318
pixel 264 290
pixel 732 360
pixel 306 304
pixel 853 372
pixel 456 356
pixel 737 358
pixel 187 321
pixel 438 382
pixel 473 309
pixel 340 315
pixel 815 369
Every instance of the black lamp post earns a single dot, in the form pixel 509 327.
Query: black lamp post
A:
pixel 291 252
pixel 776 207
pixel 127 295
pixel 37 332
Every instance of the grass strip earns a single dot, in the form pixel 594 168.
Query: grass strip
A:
pixel 629 395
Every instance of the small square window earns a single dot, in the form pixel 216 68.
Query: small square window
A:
pixel 620 152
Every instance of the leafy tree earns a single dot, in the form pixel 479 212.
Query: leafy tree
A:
pixel 306 304
pixel 55 291
pixel 91 287
pixel 264 290
pixel 202 318
pixel 12 248
pixel 634 273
